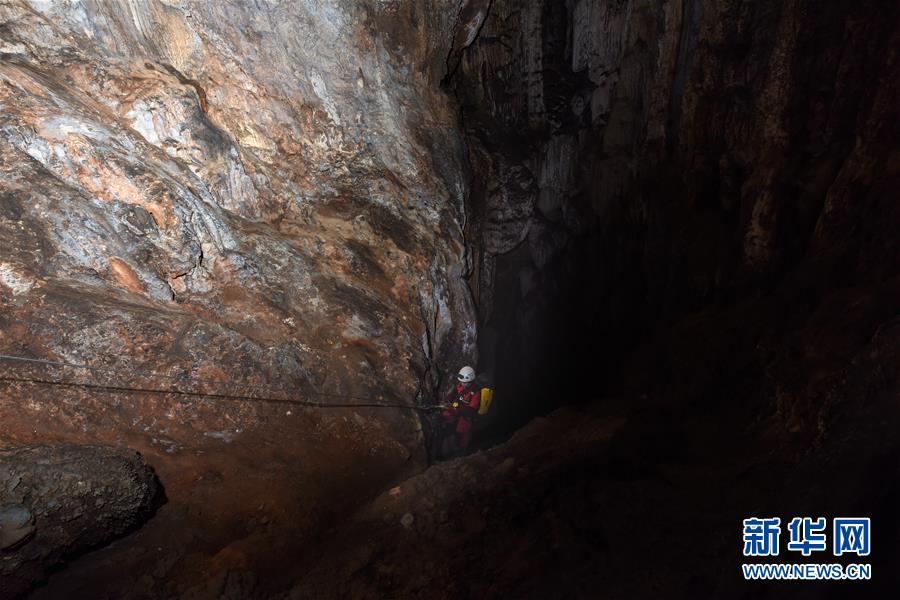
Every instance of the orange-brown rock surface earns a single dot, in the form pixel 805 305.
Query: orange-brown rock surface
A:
pixel 240 194
pixel 247 193
pixel 686 205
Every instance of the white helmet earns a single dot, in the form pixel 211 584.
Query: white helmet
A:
pixel 466 375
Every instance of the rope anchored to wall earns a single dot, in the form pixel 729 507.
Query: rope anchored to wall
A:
pixel 361 401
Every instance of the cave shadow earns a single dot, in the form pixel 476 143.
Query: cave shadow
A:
pixel 544 342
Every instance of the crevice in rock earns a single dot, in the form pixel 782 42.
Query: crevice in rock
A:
pixel 454 54
pixel 198 88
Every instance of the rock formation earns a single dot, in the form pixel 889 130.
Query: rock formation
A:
pixel 688 206
pixel 244 194
pixel 60 500
pixel 214 197
pixel 696 179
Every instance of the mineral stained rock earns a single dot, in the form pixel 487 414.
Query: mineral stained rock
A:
pixel 59 500
pixel 237 193
pixel 258 199
pixel 698 195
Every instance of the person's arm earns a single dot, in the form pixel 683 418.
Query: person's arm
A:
pixel 448 397
pixel 470 408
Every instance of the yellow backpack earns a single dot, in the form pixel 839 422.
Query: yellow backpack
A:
pixel 487 396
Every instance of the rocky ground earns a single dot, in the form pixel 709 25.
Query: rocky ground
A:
pixel 641 498
pixel 686 205
pixel 635 498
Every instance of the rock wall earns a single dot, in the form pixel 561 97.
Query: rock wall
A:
pixel 258 199
pixel 688 203
pixel 238 193
pixel 637 162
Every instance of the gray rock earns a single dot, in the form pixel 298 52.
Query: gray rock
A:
pixel 16 526
pixel 66 499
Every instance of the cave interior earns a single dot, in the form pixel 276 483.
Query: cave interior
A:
pixel 665 231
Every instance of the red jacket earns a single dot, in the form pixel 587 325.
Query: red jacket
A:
pixel 467 402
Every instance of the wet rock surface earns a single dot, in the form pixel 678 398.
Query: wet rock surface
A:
pixel 58 501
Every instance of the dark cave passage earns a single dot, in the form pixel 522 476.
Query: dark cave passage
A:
pixel 541 350
pixel 667 231
pixel 625 209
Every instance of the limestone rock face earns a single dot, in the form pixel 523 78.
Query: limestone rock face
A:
pixel 238 193
pixel 59 500
pixel 216 196
pixel 690 204
pixel 688 156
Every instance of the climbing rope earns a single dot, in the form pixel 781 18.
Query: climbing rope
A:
pixel 363 402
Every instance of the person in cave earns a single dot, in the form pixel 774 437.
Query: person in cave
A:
pixel 461 404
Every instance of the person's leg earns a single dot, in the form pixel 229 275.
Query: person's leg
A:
pixel 448 442
pixel 439 436
pixel 463 440
pixel 434 444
